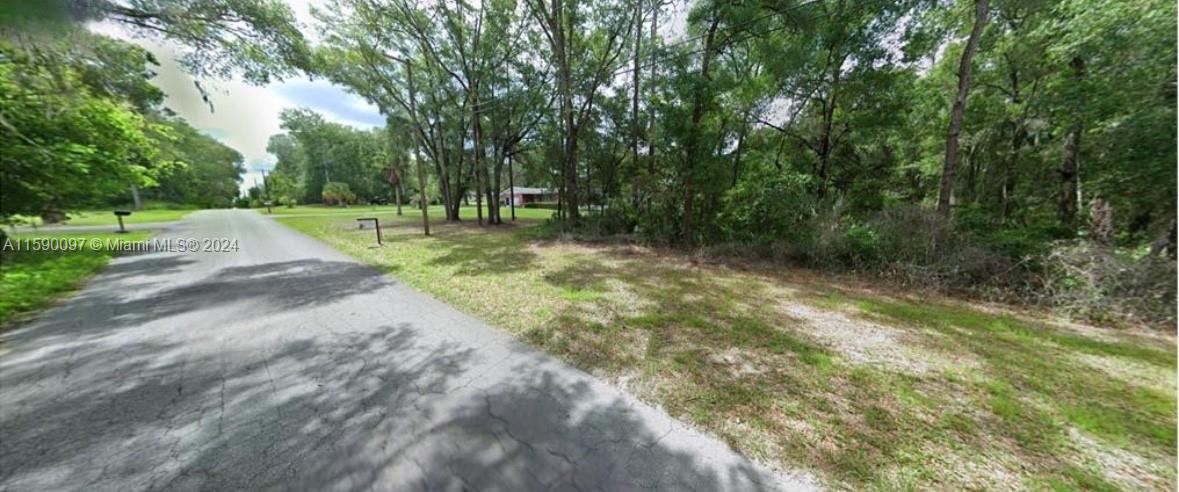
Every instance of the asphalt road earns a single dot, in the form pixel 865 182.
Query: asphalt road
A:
pixel 288 366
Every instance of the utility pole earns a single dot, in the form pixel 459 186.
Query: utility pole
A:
pixel 266 190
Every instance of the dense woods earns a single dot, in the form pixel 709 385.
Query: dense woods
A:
pixel 970 145
pixel 1014 149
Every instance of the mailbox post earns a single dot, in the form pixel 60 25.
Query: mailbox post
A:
pixel 120 214
pixel 376 225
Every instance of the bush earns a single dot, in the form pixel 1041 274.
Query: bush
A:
pixel 337 193
pixel 915 246
pixel 542 205
pixel 1100 284
pixel 764 206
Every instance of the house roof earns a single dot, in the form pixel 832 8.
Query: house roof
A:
pixel 520 190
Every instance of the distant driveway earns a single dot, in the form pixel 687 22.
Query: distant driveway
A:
pixel 288 366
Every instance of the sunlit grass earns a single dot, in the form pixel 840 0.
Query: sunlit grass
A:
pixel 1020 403
pixel 31 280
pixel 107 217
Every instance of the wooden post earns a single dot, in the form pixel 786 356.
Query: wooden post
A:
pixel 376 225
pixel 119 214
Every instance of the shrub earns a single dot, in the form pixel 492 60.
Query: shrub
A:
pixel 544 205
pixel 337 193
pixel 1100 284
pixel 766 205
pixel 913 235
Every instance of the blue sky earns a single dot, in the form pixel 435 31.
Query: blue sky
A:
pixel 329 99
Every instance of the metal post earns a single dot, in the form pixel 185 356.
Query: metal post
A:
pixel 376 225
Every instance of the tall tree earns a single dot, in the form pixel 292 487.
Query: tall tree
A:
pixel 584 52
pixel 965 65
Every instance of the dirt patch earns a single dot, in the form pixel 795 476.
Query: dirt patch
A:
pixel 1120 466
pixel 1128 371
pixel 865 342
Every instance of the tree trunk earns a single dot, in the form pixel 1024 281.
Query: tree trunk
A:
pixel 825 135
pixel 1011 170
pixel 442 168
pixel 564 85
pixel 636 73
pixel 460 188
pixel 689 179
pixel 651 116
pixel 397 195
pixel 1067 209
pixel 492 182
pixel 478 194
pixel 589 184
pixel 946 191
pixel 511 187
pixel 1070 165
pixel 138 200
pixel 740 148
pixel 1018 134
pixel 416 156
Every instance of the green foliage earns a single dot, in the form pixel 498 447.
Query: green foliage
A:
pixel 337 193
pixel 64 143
pixel 282 188
pixel 30 280
pixel 766 206
pixel 315 151
pixel 257 39
pixel 206 172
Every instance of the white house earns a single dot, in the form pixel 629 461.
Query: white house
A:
pixel 521 195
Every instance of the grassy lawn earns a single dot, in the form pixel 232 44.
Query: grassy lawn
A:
pixel 864 388
pixel 409 212
pixel 31 280
pixel 107 217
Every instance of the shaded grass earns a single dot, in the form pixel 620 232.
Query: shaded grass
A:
pixel 709 344
pixel 31 280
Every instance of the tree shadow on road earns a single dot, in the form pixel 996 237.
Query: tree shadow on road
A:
pixel 93 402
pixel 140 291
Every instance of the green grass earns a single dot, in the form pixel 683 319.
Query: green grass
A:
pixel 31 280
pixel 107 217
pixel 1021 403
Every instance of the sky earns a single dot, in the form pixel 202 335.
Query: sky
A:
pixel 244 116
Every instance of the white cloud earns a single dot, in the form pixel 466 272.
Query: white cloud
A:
pixel 244 116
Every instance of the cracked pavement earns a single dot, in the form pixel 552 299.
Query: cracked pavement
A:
pixel 289 366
